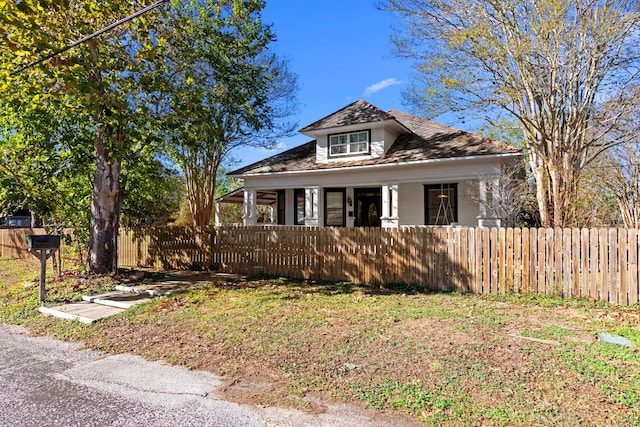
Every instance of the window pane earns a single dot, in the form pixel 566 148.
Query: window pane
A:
pixel 338 139
pixel 441 204
pixel 334 217
pixel 358 148
pixel 338 149
pixel 356 142
pixel 335 208
pixel 334 200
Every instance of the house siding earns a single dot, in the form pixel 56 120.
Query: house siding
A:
pixel 411 203
pixel 377 142
pixel 389 139
pixel 322 149
pixel 468 210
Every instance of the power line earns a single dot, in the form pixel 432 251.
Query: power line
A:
pixel 91 36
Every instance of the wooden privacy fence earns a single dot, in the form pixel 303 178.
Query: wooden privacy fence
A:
pixel 593 263
pixel 13 241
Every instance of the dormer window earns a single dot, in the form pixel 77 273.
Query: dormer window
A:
pixel 345 144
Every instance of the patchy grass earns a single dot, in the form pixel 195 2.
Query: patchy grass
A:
pixel 442 359
pixel 19 288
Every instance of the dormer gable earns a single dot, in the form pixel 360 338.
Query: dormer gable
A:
pixel 358 131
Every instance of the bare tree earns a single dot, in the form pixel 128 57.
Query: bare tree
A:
pixel 549 64
pixel 508 198
pixel 618 172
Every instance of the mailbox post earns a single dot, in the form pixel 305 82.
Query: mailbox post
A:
pixel 43 246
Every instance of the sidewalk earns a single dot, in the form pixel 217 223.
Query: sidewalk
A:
pixel 96 307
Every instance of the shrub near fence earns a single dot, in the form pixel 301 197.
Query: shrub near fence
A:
pixel 593 263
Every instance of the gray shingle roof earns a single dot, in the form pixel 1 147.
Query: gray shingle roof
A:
pixel 426 141
pixel 431 140
pixel 358 112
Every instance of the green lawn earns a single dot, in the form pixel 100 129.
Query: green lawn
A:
pixel 442 359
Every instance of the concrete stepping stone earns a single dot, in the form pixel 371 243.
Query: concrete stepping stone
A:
pixel 84 312
pixel 96 307
pixel 118 299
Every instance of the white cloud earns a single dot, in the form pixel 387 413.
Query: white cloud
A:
pixel 278 146
pixel 377 87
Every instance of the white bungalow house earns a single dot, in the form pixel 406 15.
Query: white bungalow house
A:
pixel 368 167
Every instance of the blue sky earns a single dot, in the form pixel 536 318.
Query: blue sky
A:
pixel 341 52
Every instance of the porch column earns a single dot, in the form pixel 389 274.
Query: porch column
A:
pixel 393 190
pixel 389 217
pixel 249 207
pixel 311 206
pixel 495 203
pixel 486 199
pixel 216 214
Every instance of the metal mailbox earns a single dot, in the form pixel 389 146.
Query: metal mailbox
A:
pixel 42 242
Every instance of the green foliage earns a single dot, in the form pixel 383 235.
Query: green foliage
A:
pixel 219 88
pixel 230 213
pixel 384 394
pixel 87 96
pixel 43 165
pixel 506 131
pixel 552 332
pixel 192 79
pixel 152 192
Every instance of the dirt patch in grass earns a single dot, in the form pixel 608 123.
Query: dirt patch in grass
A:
pixel 13 271
pixel 441 359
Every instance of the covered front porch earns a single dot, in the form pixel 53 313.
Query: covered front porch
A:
pixel 388 205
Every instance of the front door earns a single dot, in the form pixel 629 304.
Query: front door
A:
pixel 368 206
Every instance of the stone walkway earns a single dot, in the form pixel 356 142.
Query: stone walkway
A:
pixel 96 307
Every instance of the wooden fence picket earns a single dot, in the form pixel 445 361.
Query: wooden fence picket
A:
pixel 634 273
pixel 516 271
pixel 597 263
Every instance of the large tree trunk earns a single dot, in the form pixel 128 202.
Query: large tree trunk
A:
pixel 105 195
pixel 201 176
pixel 541 179
pixel 105 208
pixel 556 178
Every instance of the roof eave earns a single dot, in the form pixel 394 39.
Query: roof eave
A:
pixel 382 165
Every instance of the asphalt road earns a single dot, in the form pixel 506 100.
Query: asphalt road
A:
pixel 45 382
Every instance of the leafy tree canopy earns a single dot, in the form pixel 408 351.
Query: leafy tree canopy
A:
pixel 217 87
pixel 181 79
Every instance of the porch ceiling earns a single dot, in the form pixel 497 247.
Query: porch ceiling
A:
pixel 263 197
